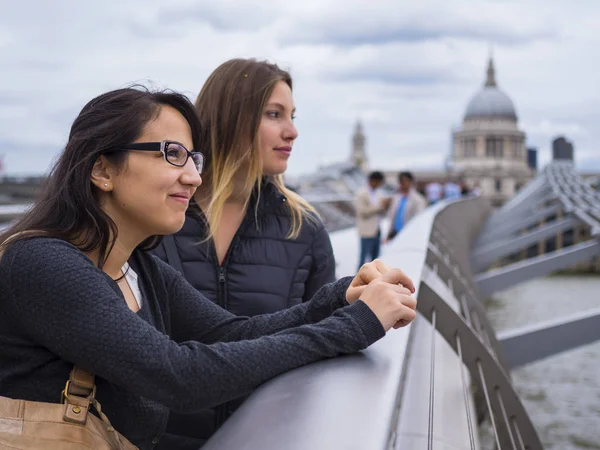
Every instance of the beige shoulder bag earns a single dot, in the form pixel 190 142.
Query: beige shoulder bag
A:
pixel 27 425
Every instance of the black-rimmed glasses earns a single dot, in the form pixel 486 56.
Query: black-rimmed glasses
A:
pixel 174 152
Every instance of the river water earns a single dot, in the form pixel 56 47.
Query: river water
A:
pixel 561 393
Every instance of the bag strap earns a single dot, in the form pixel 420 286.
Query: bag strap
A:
pixel 79 394
pixel 173 257
pixel 81 383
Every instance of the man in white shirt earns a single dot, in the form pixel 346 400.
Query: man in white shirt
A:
pixel 370 205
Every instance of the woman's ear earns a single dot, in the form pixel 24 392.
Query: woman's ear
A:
pixel 102 175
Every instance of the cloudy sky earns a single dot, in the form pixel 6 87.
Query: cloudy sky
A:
pixel 406 69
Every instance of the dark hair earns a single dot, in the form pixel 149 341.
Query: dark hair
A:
pixel 68 206
pixel 376 176
pixel 408 175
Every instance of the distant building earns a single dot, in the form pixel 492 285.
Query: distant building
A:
pixel 532 158
pixel 358 156
pixel 489 149
pixel 562 149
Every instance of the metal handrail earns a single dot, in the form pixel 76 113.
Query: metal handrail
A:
pixel 370 400
pixel 485 368
pixel 466 329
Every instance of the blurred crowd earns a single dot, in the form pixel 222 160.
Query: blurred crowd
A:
pixel 375 207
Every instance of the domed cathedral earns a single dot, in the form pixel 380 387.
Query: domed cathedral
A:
pixel 489 150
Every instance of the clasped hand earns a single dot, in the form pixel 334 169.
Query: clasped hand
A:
pixel 386 291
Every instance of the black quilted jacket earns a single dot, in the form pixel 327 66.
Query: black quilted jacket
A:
pixel 263 272
pixel 260 260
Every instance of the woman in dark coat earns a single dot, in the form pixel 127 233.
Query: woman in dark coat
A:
pixel 246 233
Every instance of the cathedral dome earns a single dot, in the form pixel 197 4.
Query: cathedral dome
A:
pixel 491 102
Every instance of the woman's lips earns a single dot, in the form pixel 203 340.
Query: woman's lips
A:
pixel 181 198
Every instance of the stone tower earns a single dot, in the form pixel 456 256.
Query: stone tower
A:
pixel 359 155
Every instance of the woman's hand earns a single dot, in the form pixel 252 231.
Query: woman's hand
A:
pixel 392 303
pixel 371 271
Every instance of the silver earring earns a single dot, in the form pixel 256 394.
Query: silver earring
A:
pixel 105 184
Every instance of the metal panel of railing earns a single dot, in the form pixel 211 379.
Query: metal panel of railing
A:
pixel 446 282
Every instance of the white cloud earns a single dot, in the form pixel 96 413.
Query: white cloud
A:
pixel 407 70
pixel 550 128
pixel 360 22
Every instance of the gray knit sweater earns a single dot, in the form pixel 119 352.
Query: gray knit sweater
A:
pixel 179 352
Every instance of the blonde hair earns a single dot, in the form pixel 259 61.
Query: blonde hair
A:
pixel 230 107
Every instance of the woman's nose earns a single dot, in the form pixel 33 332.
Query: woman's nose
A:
pixel 291 132
pixel 190 175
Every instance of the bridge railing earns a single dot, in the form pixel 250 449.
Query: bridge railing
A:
pixel 409 390
pixel 449 299
pixel 350 402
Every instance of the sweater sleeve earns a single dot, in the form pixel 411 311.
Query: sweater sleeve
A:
pixel 66 304
pixel 186 304
pixel 322 270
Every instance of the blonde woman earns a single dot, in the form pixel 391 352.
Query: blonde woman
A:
pixel 250 244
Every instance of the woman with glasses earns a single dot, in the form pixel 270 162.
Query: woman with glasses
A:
pixel 78 287
pixel 249 244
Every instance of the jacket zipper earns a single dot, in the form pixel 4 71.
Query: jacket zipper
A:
pixel 221 411
pixel 222 268
pixel 222 289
